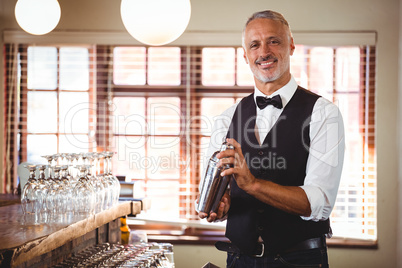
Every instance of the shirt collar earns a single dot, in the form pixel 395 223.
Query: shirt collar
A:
pixel 286 92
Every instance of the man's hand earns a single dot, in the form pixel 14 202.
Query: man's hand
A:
pixel 235 158
pixel 221 213
pixel 291 199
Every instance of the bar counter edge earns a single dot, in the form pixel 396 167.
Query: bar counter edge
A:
pixel 21 243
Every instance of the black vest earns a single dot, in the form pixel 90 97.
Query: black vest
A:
pixel 281 158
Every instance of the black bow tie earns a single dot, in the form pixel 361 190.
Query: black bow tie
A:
pixel 275 101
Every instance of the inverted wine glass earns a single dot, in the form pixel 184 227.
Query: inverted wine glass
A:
pixel 115 182
pixel 42 190
pixel 29 199
pixel 84 195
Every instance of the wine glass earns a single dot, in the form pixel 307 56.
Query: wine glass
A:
pixel 115 182
pixel 84 195
pixel 69 162
pixel 74 171
pixel 97 186
pixel 57 200
pixel 50 159
pixel 108 184
pixel 42 189
pixel 29 198
pixel 63 159
pixel 68 192
pixel 84 158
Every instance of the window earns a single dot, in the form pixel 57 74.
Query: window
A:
pixel 344 75
pixel 147 142
pixel 155 107
pixel 55 93
pixel 58 101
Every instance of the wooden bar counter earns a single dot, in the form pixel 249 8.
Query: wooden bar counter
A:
pixel 45 245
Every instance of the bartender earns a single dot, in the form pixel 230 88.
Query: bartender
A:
pixel 287 159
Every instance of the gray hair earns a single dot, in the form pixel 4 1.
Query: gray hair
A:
pixel 267 14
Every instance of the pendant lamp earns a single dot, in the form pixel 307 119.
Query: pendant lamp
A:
pixel 155 22
pixel 37 17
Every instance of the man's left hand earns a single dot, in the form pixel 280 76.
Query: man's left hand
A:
pixel 234 157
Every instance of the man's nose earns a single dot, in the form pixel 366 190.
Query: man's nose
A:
pixel 265 50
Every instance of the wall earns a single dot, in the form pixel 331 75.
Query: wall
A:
pixel 381 16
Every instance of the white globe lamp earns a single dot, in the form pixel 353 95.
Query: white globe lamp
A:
pixel 155 22
pixel 37 17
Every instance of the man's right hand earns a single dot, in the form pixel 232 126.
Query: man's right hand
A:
pixel 221 214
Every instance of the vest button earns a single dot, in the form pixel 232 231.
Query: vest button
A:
pixel 260 228
pixel 260 210
pixel 261 153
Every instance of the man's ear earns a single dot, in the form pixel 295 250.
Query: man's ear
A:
pixel 244 55
pixel 292 46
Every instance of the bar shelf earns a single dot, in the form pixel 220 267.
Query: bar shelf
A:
pixel 45 245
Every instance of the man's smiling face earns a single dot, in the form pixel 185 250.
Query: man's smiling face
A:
pixel 268 46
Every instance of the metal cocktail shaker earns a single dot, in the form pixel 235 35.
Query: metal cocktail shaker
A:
pixel 214 185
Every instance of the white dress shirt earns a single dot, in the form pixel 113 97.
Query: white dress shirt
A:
pixel 325 160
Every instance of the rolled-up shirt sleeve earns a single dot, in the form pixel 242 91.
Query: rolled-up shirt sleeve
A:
pixel 325 161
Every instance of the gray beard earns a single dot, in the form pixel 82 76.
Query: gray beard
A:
pixel 265 79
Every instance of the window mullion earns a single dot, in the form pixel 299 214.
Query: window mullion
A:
pixel 147 137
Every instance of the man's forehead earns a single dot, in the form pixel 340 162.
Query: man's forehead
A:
pixel 265 26
pixel 265 23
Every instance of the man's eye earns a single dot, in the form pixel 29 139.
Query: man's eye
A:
pixel 274 42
